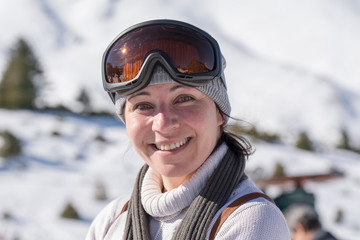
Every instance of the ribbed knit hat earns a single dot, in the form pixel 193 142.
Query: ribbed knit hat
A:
pixel 216 90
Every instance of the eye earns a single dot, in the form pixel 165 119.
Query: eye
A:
pixel 142 106
pixel 184 98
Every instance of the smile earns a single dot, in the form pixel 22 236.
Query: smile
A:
pixel 172 146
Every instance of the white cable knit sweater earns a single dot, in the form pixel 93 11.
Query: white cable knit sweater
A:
pixel 257 219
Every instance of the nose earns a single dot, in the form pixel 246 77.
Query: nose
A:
pixel 165 121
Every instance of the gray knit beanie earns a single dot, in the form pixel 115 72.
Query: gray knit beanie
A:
pixel 216 90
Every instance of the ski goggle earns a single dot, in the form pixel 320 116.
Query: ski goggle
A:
pixel 190 56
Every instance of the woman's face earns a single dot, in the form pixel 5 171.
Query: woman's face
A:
pixel 174 128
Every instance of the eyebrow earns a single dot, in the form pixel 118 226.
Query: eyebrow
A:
pixel 146 93
pixel 176 87
pixel 143 93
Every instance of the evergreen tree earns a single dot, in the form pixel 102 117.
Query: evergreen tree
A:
pixel 304 142
pixel 17 87
pixel 279 170
pixel 70 212
pixel 10 145
pixel 345 142
pixel 339 216
pixel 84 100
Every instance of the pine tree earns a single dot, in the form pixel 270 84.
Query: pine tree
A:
pixel 10 145
pixel 84 100
pixel 345 142
pixel 279 170
pixel 70 212
pixel 304 142
pixel 17 88
pixel 339 216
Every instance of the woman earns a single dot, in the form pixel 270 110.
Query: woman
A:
pixel 167 82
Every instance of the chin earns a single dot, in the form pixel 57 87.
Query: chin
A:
pixel 174 172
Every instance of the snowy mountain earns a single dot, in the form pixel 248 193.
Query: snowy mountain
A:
pixel 291 66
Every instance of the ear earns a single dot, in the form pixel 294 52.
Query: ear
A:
pixel 300 227
pixel 299 233
pixel 219 117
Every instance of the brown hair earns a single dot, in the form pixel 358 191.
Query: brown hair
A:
pixel 239 144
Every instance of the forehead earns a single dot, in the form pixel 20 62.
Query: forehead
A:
pixel 162 88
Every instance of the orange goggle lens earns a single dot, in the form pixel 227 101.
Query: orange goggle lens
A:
pixel 186 50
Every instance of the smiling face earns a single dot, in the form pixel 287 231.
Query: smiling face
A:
pixel 174 128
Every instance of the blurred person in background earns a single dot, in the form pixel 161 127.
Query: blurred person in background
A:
pixel 166 79
pixel 304 224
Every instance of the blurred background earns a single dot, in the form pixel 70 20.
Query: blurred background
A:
pixel 293 79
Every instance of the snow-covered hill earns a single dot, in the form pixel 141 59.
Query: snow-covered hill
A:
pixel 64 159
pixel 291 66
pixel 61 168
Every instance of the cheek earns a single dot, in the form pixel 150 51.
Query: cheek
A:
pixel 205 117
pixel 130 132
pixel 133 129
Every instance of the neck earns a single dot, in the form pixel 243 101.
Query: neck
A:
pixel 170 183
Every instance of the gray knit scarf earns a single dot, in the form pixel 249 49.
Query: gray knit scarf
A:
pixel 196 221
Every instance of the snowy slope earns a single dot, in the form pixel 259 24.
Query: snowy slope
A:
pixel 58 169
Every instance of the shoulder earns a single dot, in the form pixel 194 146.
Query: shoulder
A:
pixel 256 219
pixel 103 221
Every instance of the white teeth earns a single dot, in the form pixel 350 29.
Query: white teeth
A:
pixel 172 146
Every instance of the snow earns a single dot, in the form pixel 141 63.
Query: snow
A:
pixel 59 169
pixel 291 66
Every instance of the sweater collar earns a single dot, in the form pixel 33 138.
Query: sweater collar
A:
pixel 171 203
